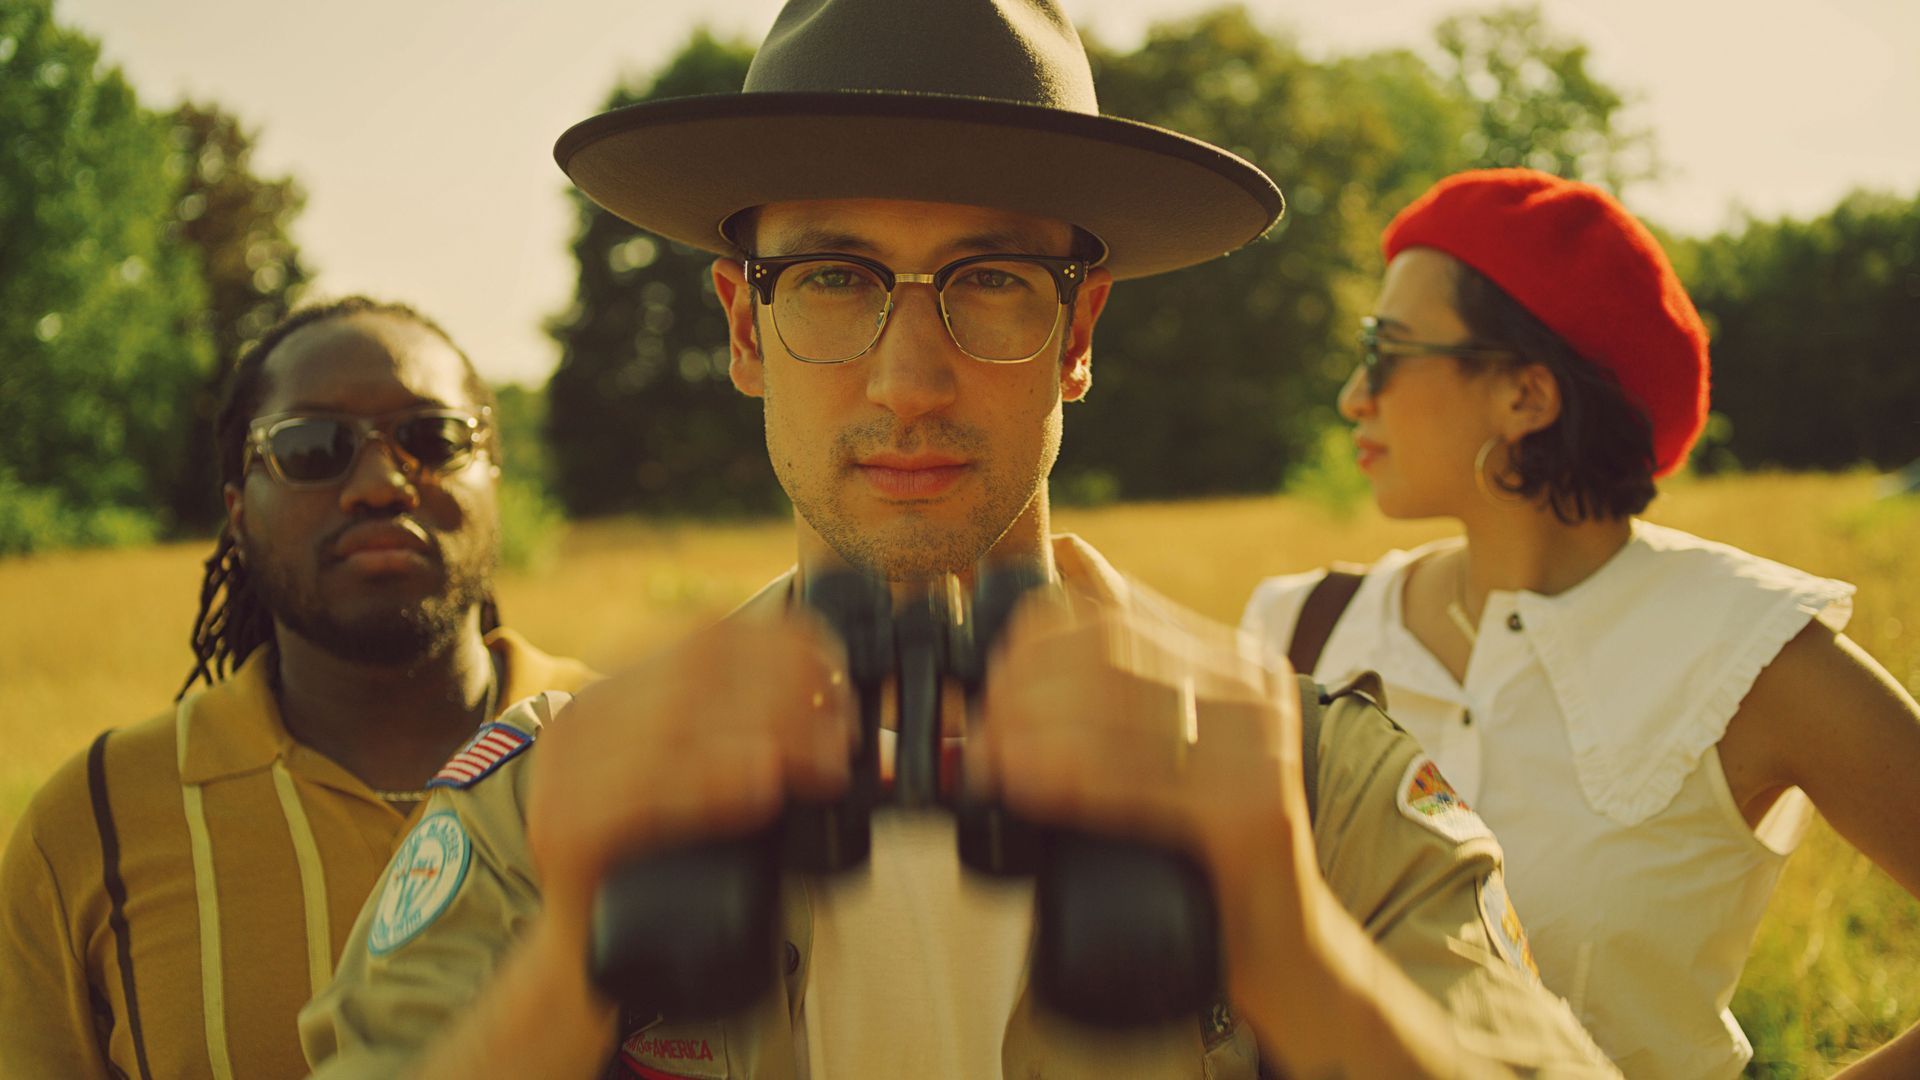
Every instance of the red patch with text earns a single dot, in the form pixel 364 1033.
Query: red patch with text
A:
pixel 675 1052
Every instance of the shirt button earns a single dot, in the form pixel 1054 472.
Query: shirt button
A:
pixel 1466 718
pixel 793 958
pixel 1513 622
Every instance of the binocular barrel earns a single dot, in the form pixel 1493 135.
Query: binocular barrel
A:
pixel 1126 934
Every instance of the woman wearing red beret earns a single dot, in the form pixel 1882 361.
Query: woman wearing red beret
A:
pixel 1645 718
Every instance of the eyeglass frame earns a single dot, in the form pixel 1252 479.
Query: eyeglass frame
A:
pixel 1374 349
pixel 366 429
pixel 763 274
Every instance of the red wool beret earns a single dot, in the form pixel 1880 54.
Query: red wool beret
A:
pixel 1586 268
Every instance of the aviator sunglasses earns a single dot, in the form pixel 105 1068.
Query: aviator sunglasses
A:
pixel 316 449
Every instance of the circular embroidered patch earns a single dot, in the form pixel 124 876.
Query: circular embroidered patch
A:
pixel 1426 797
pixel 422 880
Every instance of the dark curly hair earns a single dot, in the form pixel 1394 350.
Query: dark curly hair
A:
pixel 1596 460
pixel 233 621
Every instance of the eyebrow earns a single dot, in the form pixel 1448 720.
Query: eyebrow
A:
pixel 811 238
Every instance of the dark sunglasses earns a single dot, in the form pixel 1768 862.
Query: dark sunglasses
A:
pixel 315 449
pixel 1379 356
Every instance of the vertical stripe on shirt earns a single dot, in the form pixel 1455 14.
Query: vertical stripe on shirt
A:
pixel 212 975
pixel 116 893
pixel 313 880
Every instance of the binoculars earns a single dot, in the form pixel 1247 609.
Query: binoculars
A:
pixel 1126 933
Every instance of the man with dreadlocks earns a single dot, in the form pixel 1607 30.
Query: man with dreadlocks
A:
pixel 173 896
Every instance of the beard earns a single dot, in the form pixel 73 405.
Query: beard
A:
pixel 410 631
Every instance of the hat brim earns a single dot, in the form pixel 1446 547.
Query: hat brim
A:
pixel 680 167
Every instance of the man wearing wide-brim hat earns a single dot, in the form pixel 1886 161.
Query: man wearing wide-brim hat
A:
pixel 919 213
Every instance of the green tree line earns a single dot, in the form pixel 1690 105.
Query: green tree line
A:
pixel 140 251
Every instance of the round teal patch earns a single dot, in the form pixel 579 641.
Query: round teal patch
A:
pixel 422 880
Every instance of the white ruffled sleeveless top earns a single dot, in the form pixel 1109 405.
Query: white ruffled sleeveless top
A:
pixel 1582 734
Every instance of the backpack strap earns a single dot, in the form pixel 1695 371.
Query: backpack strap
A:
pixel 116 891
pixel 1324 606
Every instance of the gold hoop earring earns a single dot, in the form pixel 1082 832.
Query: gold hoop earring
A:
pixel 1480 478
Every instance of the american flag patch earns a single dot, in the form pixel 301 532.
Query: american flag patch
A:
pixel 486 751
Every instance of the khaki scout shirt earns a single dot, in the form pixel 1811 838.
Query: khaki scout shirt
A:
pixel 1413 866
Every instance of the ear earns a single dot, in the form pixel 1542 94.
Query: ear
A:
pixel 1076 363
pixel 236 515
pixel 1532 401
pixel 743 345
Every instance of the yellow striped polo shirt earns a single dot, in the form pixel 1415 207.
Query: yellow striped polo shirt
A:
pixel 243 857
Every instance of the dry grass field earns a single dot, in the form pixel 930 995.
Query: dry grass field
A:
pixel 95 639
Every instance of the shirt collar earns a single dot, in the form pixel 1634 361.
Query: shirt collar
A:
pixel 235 726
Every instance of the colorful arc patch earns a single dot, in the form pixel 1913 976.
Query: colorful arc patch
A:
pixel 1503 925
pixel 422 880
pixel 1426 797
pixel 491 747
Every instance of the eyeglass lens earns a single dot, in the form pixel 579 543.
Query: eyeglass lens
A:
pixel 827 310
pixel 318 449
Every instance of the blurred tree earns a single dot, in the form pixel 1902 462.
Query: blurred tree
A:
pixel 1814 329
pixel 1220 378
pixel 237 224
pixel 520 430
pixel 641 415
pixel 1539 106
pixel 100 338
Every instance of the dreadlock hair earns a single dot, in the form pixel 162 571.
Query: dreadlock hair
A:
pixel 233 621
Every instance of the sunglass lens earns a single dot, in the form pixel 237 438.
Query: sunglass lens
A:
pixel 311 451
pixel 1378 365
pixel 436 442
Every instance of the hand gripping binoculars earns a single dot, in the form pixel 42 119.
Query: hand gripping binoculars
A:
pixel 1126 933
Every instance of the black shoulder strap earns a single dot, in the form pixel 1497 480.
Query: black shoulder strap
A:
pixel 1324 606
pixel 116 891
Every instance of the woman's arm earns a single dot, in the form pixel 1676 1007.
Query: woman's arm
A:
pixel 1827 718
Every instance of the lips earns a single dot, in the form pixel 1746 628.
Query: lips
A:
pixel 911 476
pixel 379 546
pixel 1366 451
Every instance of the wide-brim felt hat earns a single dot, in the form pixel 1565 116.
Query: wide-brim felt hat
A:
pixel 977 102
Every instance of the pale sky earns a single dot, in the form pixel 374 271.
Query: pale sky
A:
pixel 423 130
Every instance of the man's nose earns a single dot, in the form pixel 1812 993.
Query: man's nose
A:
pixel 910 371
pixel 380 478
